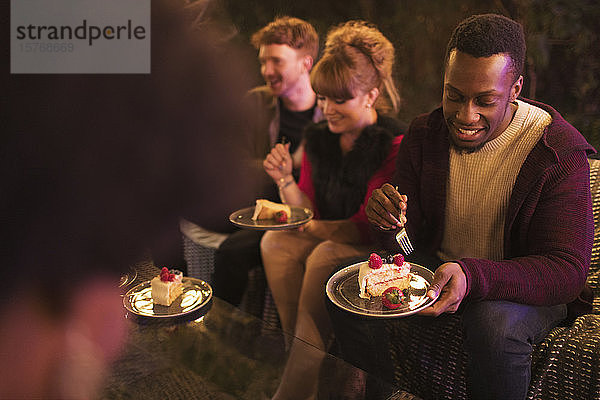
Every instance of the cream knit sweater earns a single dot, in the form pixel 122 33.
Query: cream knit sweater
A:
pixel 480 185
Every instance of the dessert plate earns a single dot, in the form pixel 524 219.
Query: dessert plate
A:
pixel 342 289
pixel 128 278
pixel 243 219
pixel 196 295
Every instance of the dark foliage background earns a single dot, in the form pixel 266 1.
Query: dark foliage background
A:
pixel 563 67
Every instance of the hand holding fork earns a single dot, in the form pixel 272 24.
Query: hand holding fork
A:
pixel 386 209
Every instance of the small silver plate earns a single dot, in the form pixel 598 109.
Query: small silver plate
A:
pixel 196 294
pixel 243 219
pixel 342 289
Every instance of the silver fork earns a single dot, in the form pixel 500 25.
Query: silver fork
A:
pixel 404 241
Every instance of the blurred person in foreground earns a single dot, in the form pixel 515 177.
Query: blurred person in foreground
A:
pixel 287 49
pixel 345 158
pixel 93 169
pixel 494 193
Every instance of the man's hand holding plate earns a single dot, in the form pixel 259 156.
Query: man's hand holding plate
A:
pixel 450 283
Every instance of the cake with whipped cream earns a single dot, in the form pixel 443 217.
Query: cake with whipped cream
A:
pixel 167 286
pixel 266 209
pixel 375 276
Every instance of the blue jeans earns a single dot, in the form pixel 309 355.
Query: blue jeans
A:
pixel 498 338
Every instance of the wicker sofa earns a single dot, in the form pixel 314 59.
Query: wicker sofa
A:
pixel 566 365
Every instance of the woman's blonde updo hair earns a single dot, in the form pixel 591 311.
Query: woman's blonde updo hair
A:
pixel 356 57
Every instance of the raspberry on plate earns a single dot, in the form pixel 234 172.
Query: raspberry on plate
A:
pixel 281 217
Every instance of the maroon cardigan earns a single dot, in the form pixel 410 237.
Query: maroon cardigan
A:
pixel 549 227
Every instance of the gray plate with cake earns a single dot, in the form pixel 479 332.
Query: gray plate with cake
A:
pixel 344 290
pixel 244 219
pixel 195 295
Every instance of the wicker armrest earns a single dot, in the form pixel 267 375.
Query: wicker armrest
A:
pixel 199 247
pixel 594 273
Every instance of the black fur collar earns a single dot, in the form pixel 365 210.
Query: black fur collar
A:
pixel 340 182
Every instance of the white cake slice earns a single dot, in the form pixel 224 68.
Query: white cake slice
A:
pixel 374 281
pixel 266 209
pixel 166 287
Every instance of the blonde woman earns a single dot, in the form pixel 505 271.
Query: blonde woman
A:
pixel 346 157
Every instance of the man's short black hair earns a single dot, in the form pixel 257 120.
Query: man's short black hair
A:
pixel 488 34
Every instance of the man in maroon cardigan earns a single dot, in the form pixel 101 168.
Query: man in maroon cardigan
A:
pixel 496 190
